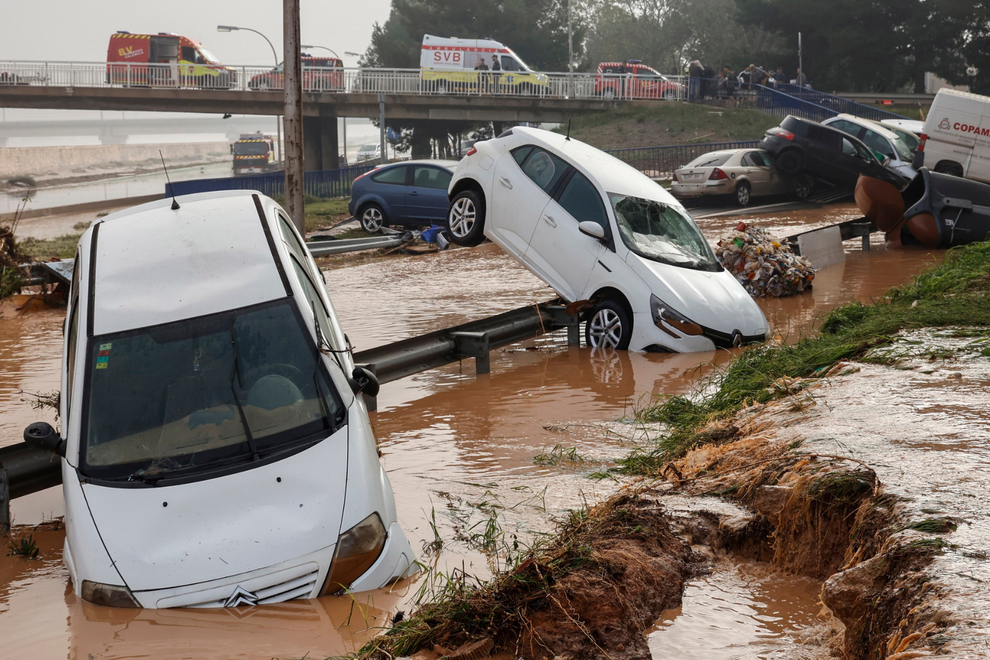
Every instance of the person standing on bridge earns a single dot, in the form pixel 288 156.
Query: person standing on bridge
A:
pixel 801 80
pixel 482 78
pixel 496 73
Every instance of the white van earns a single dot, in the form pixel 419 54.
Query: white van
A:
pixel 956 137
pixel 449 64
pixel 214 450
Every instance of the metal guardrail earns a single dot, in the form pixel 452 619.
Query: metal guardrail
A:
pixel 467 82
pixel 321 183
pixel 837 103
pixel 660 162
pixel 327 248
pixel 25 469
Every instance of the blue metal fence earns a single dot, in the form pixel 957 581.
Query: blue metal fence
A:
pixel 837 103
pixel 322 183
pixel 780 105
pixel 660 162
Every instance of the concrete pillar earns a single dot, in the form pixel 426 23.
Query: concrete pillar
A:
pixel 320 145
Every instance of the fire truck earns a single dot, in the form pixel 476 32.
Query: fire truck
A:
pixel 254 153
pixel 165 60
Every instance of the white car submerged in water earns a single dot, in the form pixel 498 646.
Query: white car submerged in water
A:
pixel 597 230
pixel 215 452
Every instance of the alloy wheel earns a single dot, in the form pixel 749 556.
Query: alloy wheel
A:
pixel 605 330
pixel 742 195
pixel 372 220
pixel 462 217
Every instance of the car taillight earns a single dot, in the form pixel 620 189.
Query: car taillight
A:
pixel 357 178
pixel 718 175
pixel 472 151
pixel 921 144
pixel 787 135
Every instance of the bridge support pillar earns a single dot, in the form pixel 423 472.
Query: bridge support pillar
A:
pixel 320 146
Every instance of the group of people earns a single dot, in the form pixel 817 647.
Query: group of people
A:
pixel 723 84
pixel 489 81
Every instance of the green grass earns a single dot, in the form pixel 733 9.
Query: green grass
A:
pixel 25 547
pixel 955 293
pixel 61 247
pixel 321 212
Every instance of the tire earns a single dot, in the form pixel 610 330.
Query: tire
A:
pixel 608 326
pixel 466 219
pixel 526 89
pixel 670 95
pixel 803 186
pixel 743 193
pixel 263 85
pixel 441 88
pixel 790 162
pixel 608 93
pixel 948 167
pixel 372 218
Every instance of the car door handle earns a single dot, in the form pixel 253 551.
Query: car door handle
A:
pixel 549 220
pixel 505 182
pixel 413 192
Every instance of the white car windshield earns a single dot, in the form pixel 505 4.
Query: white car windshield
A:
pixel 663 233
pixel 203 393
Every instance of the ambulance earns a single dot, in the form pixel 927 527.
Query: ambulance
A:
pixel 448 65
pixel 164 60
pixel 956 136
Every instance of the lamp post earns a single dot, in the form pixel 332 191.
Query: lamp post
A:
pixel 304 47
pixel 343 120
pixel 278 119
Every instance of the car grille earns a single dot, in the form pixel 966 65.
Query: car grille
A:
pixel 283 585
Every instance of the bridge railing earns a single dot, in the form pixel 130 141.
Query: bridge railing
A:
pixel 837 103
pixel 660 162
pixel 466 82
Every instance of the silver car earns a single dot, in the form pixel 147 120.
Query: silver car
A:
pixel 742 173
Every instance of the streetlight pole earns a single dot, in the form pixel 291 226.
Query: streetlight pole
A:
pixel 292 87
pixel 278 119
pixel 570 51
pixel 304 47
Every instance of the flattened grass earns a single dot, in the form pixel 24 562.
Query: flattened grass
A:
pixel 954 293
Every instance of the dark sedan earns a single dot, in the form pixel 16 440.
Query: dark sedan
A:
pixel 801 145
pixel 412 194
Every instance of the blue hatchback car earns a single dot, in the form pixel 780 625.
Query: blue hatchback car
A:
pixel 413 194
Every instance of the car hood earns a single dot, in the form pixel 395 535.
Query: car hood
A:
pixel 714 300
pixel 170 536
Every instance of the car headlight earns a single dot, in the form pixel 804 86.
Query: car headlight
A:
pixel 664 315
pixel 108 595
pixel 357 550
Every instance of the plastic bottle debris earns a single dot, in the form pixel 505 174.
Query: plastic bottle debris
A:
pixel 763 264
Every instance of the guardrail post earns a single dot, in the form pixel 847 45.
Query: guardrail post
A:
pixel 4 502
pixel 574 335
pixel 476 345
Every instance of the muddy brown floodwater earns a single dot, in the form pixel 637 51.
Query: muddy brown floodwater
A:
pixel 473 455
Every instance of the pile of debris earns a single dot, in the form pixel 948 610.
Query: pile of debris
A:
pixel 763 264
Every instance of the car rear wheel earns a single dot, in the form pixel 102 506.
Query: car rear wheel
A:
pixel 441 88
pixel 608 326
pixel 372 218
pixel 743 193
pixel 803 186
pixel 789 162
pixel 948 167
pixel 466 219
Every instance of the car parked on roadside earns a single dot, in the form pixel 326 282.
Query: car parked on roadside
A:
pixel 319 74
pixel 804 146
pixel 214 449
pixel 369 152
pixel 634 80
pixel 741 173
pixel 604 236
pixel 412 194
pixel 890 142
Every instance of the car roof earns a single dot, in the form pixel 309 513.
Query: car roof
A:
pixel 447 164
pixel 155 265
pixel 612 174
pixel 867 123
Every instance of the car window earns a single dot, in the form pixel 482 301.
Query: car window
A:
pixel 70 353
pixel 315 302
pixel 431 177
pixel 510 64
pixel 848 148
pixel 878 143
pixel 544 169
pixel 759 159
pixel 748 160
pixel 582 201
pixel 392 175
pixel 520 153
pixel 847 127
pixel 711 160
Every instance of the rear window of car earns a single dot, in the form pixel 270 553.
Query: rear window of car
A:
pixel 544 169
pixel 393 175
pixel 711 160
pixel 520 153
pixel 757 159
pixel 431 177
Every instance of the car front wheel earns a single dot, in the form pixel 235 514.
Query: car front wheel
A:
pixel 466 219
pixel 372 218
pixel 789 162
pixel 743 194
pixel 608 326
pixel 803 186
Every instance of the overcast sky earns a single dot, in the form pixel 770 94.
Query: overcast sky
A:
pixel 79 30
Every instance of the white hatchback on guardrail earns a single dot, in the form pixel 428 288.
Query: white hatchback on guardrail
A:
pixel 215 451
pixel 604 235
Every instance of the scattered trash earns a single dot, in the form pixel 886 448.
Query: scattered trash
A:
pixel 763 264
pixel 434 234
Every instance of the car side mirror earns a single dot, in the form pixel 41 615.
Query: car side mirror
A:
pixel 364 381
pixel 592 229
pixel 42 436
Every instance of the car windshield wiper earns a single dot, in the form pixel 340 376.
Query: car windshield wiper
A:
pixel 236 371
